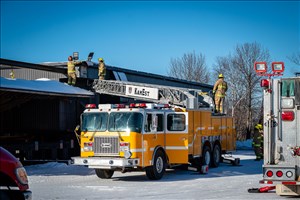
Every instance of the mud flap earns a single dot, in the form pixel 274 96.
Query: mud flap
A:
pixel 204 169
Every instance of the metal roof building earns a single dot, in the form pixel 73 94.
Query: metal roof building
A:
pixel 39 123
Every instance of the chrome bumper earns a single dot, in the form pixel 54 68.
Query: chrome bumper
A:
pixel 105 162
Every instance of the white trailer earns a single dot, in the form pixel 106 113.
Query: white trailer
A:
pixel 281 101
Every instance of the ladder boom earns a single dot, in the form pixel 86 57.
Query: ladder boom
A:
pixel 153 93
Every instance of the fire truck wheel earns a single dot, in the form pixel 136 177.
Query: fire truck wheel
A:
pixel 104 173
pixel 157 170
pixel 216 156
pixel 206 156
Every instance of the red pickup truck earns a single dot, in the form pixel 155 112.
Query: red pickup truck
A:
pixel 13 178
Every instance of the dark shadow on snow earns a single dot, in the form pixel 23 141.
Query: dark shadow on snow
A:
pixel 246 167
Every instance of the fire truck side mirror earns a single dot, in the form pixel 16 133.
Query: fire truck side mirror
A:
pixel 77 128
pixel 153 126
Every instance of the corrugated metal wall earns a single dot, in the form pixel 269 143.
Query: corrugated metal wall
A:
pixel 41 116
pixel 35 116
pixel 30 74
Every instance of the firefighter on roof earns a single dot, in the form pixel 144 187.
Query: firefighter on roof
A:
pixel 219 90
pixel 12 74
pixel 101 69
pixel 71 70
pixel 258 140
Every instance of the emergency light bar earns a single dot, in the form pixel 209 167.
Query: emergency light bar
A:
pixel 118 106
pixel 89 106
pixel 138 105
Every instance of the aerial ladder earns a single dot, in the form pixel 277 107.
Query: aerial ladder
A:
pixel 183 97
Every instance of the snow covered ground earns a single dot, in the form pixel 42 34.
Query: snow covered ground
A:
pixel 60 181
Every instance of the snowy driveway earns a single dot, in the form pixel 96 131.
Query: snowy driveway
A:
pixel 61 181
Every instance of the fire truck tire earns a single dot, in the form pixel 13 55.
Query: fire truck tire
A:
pixel 104 173
pixel 216 156
pixel 206 156
pixel 157 170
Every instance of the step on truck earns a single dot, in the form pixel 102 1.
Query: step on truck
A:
pixel 175 129
pixel 281 102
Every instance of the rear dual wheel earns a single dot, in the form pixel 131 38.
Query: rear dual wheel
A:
pixel 213 158
pixel 206 156
pixel 216 156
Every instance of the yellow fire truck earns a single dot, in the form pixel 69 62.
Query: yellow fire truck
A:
pixel 153 136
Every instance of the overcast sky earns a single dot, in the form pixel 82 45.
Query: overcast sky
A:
pixel 145 35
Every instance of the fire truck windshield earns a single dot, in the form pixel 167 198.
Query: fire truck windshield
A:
pixel 94 121
pixel 123 121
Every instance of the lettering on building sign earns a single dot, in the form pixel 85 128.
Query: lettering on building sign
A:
pixel 145 92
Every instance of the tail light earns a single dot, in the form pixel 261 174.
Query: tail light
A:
pixel 287 115
pixel 269 173
pixel 289 183
pixel 279 173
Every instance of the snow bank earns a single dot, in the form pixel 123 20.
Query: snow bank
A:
pixel 244 145
pixel 56 168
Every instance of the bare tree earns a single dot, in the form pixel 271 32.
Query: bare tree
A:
pixel 295 58
pixel 244 95
pixel 189 67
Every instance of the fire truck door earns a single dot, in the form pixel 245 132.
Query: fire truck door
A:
pixel 154 135
pixel 176 127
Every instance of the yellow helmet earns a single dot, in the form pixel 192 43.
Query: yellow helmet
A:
pixel 259 126
pixel 100 59
pixel 221 76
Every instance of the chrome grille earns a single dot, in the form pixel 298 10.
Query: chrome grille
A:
pixel 106 146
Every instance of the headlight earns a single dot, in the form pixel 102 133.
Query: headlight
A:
pixel 22 175
pixel 88 146
pixel 287 103
pixel 124 146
